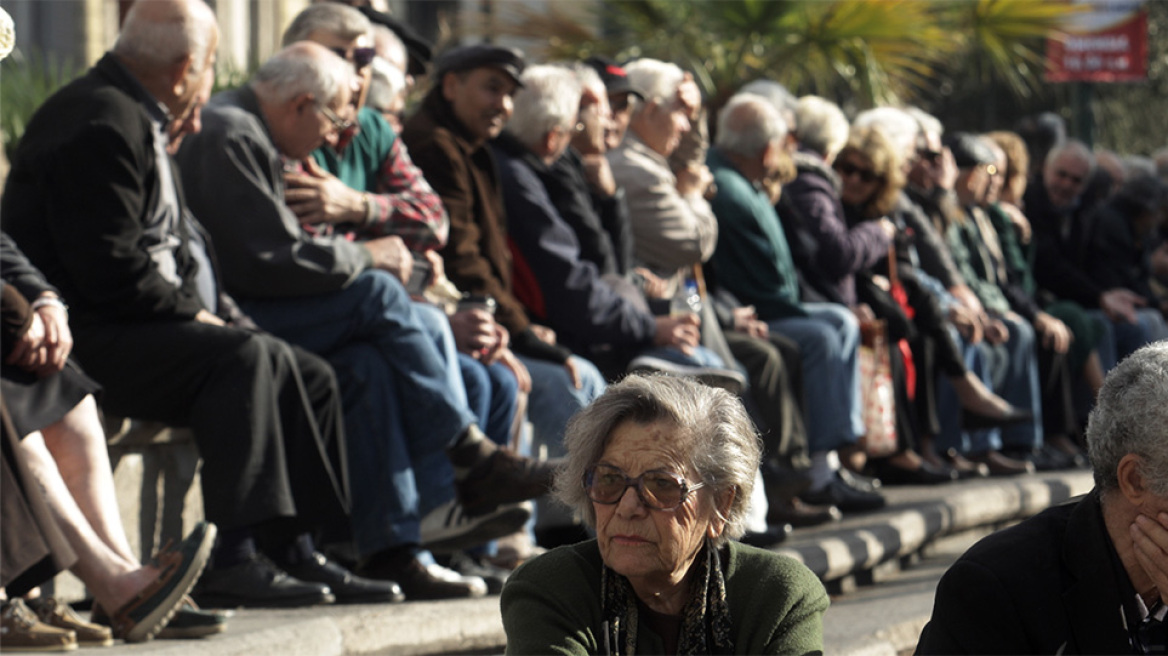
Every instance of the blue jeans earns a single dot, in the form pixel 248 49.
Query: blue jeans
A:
pixel 1121 339
pixel 828 340
pixel 553 399
pixel 387 362
pixel 978 359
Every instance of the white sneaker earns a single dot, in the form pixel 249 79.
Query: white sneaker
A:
pixel 477 584
pixel 448 528
pixel 727 379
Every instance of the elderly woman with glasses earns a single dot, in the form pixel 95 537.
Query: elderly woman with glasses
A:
pixel 662 468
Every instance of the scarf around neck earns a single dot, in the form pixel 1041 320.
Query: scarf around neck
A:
pixel 705 620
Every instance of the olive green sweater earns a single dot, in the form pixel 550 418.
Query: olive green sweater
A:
pixel 551 605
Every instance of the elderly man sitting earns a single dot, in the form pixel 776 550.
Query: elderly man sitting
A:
pixel 1082 578
pixel 345 300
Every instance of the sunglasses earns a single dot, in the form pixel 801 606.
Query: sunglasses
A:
pixel 361 57
pixel 867 176
pixel 657 489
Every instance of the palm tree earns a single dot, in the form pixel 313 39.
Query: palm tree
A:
pixel 860 52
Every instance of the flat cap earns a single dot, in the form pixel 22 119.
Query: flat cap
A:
pixel 969 149
pixel 419 52
pixel 481 55
pixel 614 77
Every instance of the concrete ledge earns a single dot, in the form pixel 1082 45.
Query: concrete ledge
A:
pixel 857 551
pixel 858 546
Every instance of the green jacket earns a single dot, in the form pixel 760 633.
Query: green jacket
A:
pixel 752 260
pixel 551 605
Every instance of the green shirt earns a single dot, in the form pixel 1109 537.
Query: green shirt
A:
pixel 551 605
pixel 752 260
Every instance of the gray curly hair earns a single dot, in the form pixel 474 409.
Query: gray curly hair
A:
pixel 1129 417
pixel 714 437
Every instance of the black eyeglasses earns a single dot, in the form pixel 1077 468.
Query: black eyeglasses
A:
pixel 867 176
pixel 361 58
pixel 339 124
pixel 931 156
pixel 658 489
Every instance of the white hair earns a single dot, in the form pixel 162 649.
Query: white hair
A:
pixel 589 79
pixel 747 124
pixel 386 84
pixel 1076 149
pixel 896 124
pixel 157 37
pixel 821 126
pixel 780 97
pixel 926 122
pixel 385 41
pixel 1129 417
pixel 656 79
pixel 341 21
pixel 303 67
pixel 549 99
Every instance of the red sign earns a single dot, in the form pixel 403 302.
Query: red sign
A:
pixel 1106 42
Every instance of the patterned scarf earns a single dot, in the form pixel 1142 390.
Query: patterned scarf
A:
pixel 705 624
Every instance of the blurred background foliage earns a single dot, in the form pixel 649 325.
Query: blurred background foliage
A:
pixel 976 64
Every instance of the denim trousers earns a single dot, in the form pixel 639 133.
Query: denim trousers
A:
pixel 1009 369
pixel 402 404
pixel 828 340
pixel 554 399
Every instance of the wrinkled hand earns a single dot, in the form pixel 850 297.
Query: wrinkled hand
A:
pixel 682 332
pixel 746 321
pixel 390 254
pixel 654 287
pixel 205 316
pixel 690 96
pixel 598 173
pixel 1055 334
pixel 522 376
pixel 317 196
pixel 1150 539
pixel 888 227
pixel 695 180
pixel 966 297
pixel 58 342
pixel 967 323
pixel 1121 303
pixel 475 333
pixel 1021 223
pixel 29 352
pixel 996 331
pixel 545 334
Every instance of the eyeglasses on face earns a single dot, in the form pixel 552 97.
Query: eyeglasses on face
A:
pixel 339 124
pixel 931 156
pixel 361 57
pixel 867 176
pixel 657 489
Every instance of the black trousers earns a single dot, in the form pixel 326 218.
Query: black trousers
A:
pixel 775 401
pixel 266 415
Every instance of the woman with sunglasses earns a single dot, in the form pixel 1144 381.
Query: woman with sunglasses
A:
pixel 662 468
pixel 872 178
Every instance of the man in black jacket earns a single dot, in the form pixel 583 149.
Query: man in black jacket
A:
pixel 94 203
pixel 1082 578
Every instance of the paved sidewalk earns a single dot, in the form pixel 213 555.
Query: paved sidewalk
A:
pixel 880 568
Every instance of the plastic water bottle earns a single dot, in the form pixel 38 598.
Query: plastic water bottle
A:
pixel 687 299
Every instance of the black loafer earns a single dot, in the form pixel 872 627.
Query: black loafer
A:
pixel 847 498
pixel 346 586
pixel 257 583
pixel 926 474
pixel 977 421
pixel 773 536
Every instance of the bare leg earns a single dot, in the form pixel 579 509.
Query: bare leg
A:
pixel 976 397
pixel 77 445
pixel 112 578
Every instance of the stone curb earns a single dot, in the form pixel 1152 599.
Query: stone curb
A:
pixel 861 550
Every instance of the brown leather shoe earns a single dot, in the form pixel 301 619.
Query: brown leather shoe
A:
pixel 1000 465
pixel 20 630
pixel 502 476
pixel 58 614
pixel 799 513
